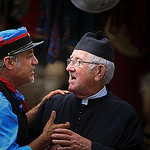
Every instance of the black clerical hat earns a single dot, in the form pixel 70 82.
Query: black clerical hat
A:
pixel 97 44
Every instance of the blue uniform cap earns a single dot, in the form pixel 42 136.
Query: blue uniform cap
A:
pixel 15 41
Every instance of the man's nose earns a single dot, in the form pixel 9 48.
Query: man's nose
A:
pixel 70 67
pixel 35 60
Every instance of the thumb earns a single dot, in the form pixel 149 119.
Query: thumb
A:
pixel 52 117
pixel 67 124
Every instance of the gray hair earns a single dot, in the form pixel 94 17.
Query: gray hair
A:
pixel 109 67
pixel 15 58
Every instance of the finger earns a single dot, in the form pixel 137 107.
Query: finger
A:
pixel 65 131
pixel 61 142
pixel 61 136
pixel 65 91
pixel 66 125
pixel 65 148
pixel 52 117
pixel 62 92
pixel 51 94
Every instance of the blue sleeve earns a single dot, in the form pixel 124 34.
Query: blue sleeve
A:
pixel 8 126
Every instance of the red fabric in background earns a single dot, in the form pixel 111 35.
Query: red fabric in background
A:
pixel 30 20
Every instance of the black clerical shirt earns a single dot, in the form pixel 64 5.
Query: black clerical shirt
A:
pixel 109 122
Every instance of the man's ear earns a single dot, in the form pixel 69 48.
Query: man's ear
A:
pixel 8 62
pixel 100 71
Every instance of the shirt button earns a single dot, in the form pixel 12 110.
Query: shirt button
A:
pixel 76 130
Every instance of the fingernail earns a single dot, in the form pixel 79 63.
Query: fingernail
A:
pixel 53 141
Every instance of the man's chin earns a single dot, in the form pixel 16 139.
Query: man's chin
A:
pixel 70 88
pixel 32 80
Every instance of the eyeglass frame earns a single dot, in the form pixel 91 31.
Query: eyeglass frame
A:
pixel 80 61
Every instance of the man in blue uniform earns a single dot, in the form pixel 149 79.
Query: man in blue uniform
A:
pixel 99 120
pixel 17 64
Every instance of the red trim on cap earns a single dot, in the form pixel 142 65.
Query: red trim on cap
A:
pixel 1 39
pixel 13 39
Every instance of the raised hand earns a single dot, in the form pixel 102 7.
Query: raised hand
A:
pixel 45 139
pixel 50 127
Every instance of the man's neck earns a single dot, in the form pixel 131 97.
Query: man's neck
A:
pixel 99 94
pixel 7 75
pixel 88 93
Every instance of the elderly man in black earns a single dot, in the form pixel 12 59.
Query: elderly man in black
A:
pixel 99 120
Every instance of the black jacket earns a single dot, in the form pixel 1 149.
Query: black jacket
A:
pixel 109 122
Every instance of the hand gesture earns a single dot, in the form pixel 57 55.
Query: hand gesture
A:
pixel 48 96
pixel 31 114
pixel 45 139
pixel 50 127
pixel 69 140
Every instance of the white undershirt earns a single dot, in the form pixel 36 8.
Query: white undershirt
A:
pixel 101 93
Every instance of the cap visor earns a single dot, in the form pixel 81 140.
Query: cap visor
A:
pixel 33 45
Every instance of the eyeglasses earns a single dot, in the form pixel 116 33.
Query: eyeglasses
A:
pixel 77 62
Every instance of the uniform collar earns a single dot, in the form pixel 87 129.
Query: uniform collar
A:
pixel 8 84
pixel 15 93
pixel 101 93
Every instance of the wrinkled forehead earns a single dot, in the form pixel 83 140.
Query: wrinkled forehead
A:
pixel 79 54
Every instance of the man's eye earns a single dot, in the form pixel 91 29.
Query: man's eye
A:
pixel 77 60
pixel 30 55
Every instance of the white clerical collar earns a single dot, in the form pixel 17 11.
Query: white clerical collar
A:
pixel 101 93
